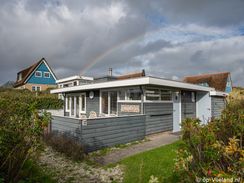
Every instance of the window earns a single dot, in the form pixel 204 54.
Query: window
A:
pixel 158 95
pixel 83 103
pixel 166 95
pixel 122 95
pixel 36 88
pixel 19 76
pixel 109 102
pixel 38 74
pixel 152 94
pixel 132 94
pixel 46 74
pixel 105 102
pixel 67 103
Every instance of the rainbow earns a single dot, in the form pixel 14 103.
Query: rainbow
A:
pixel 99 58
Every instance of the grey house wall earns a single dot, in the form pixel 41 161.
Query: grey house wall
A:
pixel 218 104
pixel 92 104
pixel 159 117
pixel 101 132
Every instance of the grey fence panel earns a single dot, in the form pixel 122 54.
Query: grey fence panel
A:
pixel 159 117
pixel 218 104
pixel 107 132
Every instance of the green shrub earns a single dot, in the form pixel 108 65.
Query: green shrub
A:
pixel 65 144
pixel 21 130
pixel 213 150
pixel 39 100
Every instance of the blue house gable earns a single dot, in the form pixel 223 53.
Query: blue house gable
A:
pixel 228 88
pixel 42 75
pixel 37 77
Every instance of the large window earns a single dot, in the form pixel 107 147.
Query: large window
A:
pixel 76 104
pixel 109 102
pixel 130 94
pixel 158 95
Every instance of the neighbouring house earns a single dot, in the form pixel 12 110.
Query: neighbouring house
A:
pixel 114 110
pixel 220 81
pixel 73 81
pixel 37 77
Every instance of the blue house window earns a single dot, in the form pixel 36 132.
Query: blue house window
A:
pixel 38 74
pixel 46 74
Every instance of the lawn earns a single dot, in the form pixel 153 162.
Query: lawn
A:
pixel 158 162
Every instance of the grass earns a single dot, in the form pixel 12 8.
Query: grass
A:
pixel 158 162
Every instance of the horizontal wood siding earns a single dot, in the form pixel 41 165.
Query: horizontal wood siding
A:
pixel 101 132
pixel 218 104
pixel 159 117
pixel 69 126
pixel 106 132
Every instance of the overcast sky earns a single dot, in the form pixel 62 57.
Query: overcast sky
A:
pixel 167 38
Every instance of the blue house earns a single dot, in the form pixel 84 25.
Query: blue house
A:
pixel 37 77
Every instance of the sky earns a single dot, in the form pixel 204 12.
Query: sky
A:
pixel 167 38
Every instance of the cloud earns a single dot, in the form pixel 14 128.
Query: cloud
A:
pixel 167 38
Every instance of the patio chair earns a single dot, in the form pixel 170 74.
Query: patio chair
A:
pixel 92 114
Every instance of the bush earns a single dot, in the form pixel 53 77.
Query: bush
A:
pixel 213 150
pixel 21 131
pixel 39 100
pixel 65 144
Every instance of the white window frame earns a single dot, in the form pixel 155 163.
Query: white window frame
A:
pixel 47 73
pixel 40 74
pixel 109 100
pixel 67 101
pixel 126 97
pixel 157 101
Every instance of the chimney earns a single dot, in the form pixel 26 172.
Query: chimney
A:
pixel 110 72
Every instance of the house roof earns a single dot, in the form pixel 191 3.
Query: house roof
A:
pixel 26 73
pixel 131 75
pixel 215 80
pixel 134 82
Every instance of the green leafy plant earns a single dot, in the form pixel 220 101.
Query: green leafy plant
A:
pixel 215 149
pixel 21 130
